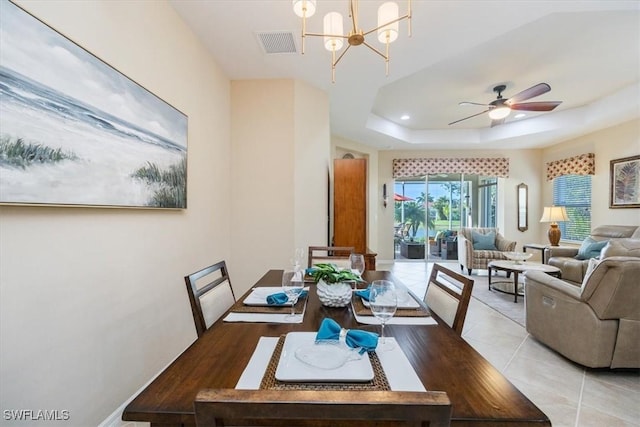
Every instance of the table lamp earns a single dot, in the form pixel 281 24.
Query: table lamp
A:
pixel 553 214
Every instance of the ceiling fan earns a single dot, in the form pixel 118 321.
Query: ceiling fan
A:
pixel 500 108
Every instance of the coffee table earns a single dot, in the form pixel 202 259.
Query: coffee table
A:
pixel 516 269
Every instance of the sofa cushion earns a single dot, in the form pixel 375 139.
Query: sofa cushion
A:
pixel 621 247
pixel 590 248
pixel 485 242
pixel 593 263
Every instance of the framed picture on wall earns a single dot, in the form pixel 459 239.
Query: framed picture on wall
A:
pixel 625 183
pixel 74 131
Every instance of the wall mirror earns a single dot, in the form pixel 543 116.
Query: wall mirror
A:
pixel 523 208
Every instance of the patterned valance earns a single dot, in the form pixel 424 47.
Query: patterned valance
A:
pixel 584 164
pixel 406 168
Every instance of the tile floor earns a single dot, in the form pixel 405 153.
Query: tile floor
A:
pixel 570 395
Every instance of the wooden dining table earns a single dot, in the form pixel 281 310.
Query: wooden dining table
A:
pixel 480 395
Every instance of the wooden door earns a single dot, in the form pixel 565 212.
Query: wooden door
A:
pixel 350 203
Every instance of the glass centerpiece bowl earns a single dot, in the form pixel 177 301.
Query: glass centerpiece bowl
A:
pixel 517 257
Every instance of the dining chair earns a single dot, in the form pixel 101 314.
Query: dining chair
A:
pixel 448 294
pixel 210 294
pixel 338 255
pixel 224 407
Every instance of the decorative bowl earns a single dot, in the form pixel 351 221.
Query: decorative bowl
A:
pixel 335 294
pixel 517 257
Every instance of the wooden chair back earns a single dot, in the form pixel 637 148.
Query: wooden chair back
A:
pixel 448 294
pixel 338 255
pixel 210 294
pixel 226 407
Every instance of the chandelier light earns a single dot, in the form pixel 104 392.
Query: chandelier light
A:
pixel 333 34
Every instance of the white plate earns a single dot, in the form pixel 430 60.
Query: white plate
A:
pixel 405 301
pixel 292 368
pixel 258 296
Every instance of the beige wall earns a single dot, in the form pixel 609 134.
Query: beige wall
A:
pixel 280 140
pixel 92 301
pixel 612 143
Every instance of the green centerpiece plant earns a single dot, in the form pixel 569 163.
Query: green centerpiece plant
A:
pixel 334 285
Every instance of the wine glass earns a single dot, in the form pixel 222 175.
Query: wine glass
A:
pixel 383 303
pixel 298 258
pixel 357 266
pixel 292 285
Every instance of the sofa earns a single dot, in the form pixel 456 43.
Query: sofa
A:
pixel 596 324
pixel 573 269
pixel 475 253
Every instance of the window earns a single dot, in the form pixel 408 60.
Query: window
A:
pixel 574 193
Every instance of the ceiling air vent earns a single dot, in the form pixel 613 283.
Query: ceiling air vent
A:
pixel 277 42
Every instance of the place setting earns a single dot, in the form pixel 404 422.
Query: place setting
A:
pixel 284 304
pixel 385 302
pixel 333 358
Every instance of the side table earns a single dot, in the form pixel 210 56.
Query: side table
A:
pixel 537 246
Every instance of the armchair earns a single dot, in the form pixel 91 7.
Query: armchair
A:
pixel 597 324
pixel 477 254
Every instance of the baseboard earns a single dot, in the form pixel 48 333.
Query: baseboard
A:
pixel 115 419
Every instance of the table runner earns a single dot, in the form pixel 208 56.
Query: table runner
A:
pixel 400 374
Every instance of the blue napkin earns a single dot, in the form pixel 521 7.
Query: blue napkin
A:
pixel 281 298
pixel 364 293
pixel 330 330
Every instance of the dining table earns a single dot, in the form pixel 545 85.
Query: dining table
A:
pixel 480 394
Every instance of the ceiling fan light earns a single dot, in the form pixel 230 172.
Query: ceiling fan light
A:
pixel 499 113
pixel 333 27
pixel 388 12
pixel 299 7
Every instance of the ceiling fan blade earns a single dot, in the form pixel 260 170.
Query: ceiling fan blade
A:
pixel 472 103
pixel 482 112
pixel 532 92
pixel 497 122
pixel 536 106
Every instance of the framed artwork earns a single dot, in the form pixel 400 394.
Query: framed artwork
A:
pixel 625 183
pixel 76 132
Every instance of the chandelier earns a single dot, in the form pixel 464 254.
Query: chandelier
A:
pixel 334 37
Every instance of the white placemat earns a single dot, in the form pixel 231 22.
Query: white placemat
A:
pixel 371 320
pixel 397 368
pixel 261 317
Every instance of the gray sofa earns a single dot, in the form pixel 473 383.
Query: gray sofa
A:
pixel 596 324
pixel 573 270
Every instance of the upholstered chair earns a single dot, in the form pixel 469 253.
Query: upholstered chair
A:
pixel 596 324
pixel 477 247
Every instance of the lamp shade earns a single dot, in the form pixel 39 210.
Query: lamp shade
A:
pixel 388 12
pixel 554 214
pixel 333 27
pixel 304 8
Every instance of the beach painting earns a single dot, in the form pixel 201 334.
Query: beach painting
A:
pixel 76 132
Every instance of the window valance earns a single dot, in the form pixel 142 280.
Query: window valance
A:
pixel 584 164
pixel 406 168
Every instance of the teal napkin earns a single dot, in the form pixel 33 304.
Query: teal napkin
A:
pixel 281 298
pixel 354 338
pixel 364 293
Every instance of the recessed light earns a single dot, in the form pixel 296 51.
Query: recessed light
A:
pixel 519 116
pixel 405 117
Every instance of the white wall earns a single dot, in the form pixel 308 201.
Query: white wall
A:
pixel 280 134
pixel 93 301
pixel 608 144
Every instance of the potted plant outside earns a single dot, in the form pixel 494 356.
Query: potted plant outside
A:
pixel 334 285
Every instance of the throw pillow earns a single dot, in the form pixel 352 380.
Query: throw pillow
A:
pixel 484 242
pixel 590 248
